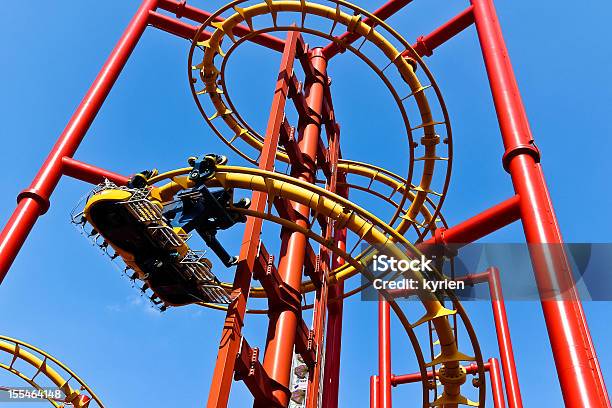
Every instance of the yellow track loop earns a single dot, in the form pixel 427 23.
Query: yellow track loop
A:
pixel 31 355
pixel 209 74
pixel 395 183
pixel 371 229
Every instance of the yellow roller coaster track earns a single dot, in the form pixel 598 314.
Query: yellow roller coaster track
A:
pixel 210 82
pixel 48 369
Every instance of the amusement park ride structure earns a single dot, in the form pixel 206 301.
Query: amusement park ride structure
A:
pixel 312 207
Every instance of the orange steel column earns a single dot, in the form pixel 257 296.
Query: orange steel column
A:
pixel 231 336
pixel 283 323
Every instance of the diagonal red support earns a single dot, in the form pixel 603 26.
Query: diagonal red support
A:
pixel 479 225
pixel 34 201
pixel 182 9
pixel 425 45
pixel 384 12
pixel 90 174
pixel 176 27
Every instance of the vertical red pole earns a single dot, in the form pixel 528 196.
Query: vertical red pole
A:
pixel 319 317
pixel 374 391
pixel 34 202
pixel 229 346
pixel 323 308
pixel 496 384
pixel 384 354
pixel 578 370
pixel 504 341
pixel 283 323
pixel 333 343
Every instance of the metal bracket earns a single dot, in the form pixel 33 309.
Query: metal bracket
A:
pixel 43 202
pixel 252 373
pixel 531 149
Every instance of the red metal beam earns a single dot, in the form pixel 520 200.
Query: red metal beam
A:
pixel 34 201
pixel 478 226
pixel 318 331
pixel 249 370
pixel 425 45
pixel 333 341
pixel 387 10
pixel 175 26
pixel 416 377
pixel 374 391
pixel 333 299
pixel 578 369
pixel 384 354
pixel 497 389
pixel 181 9
pixel 502 328
pixel 90 174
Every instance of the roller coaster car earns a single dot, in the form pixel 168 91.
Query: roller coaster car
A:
pixel 151 236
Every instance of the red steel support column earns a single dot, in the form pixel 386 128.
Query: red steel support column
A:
pixel 333 343
pixel 231 337
pixel 504 340
pixel 282 329
pixel 384 354
pixel 578 370
pixel 34 201
pixel 333 337
pixel 502 329
pixel 323 309
pixel 497 389
pixel 374 391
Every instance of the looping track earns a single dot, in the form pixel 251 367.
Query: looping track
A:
pixel 48 370
pixel 412 92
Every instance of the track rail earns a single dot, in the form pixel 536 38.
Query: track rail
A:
pixel 48 369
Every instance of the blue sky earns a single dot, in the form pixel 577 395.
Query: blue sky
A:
pixel 62 296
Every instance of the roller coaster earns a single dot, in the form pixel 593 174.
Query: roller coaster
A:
pixel 160 226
